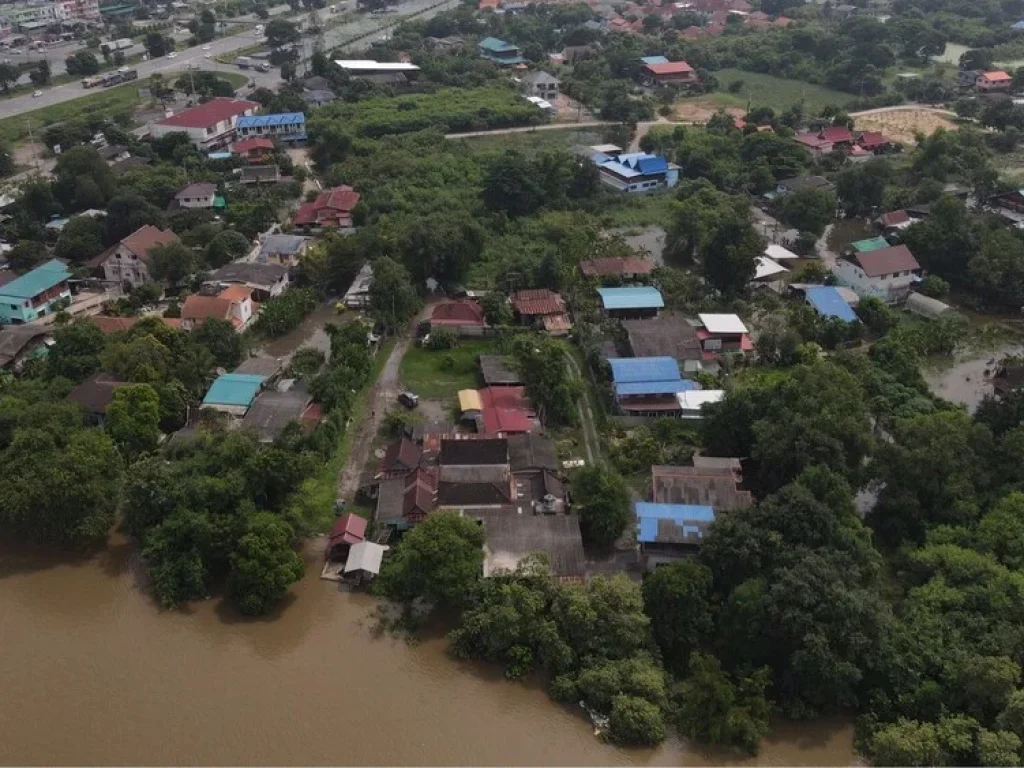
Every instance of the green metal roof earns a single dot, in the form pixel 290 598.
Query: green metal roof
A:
pixel 40 279
pixel 871 244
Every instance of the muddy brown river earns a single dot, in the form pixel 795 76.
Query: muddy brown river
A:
pixel 92 671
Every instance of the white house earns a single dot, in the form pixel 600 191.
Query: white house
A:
pixel 541 84
pixel 210 125
pixel 199 195
pixel 128 261
pixel 887 273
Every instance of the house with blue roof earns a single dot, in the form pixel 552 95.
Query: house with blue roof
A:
pixel 286 126
pixel 667 533
pixel 35 294
pixel 501 53
pixel 233 393
pixel 637 172
pixel 829 302
pixel 634 302
pixel 648 386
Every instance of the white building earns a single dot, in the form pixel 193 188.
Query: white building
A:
pixel 887 273
pixel 199 195
pixel 210 125
pixel 541 84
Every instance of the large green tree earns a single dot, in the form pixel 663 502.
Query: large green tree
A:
pixel 264 564
pixel 133 420
pixel 604 503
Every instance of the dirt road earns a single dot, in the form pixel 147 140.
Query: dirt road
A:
pixel 531 128
pixel 591 443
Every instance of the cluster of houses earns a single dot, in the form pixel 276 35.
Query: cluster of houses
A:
pixel 858 146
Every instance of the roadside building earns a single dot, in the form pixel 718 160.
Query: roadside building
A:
pixel 501 53
pixel 886 273
pixel 289 127
pixel 210 125
pixel 506 411
pixel 128 261
pixel 457 315
pixel 332 209
pixel 631 302
pixel 233 304
pixel 267 281
pixel 35 294
pixel 233 393
pixel 357 68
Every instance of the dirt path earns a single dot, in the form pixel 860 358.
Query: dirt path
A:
pixel 530 128
pixel 903 108
pixel 591 444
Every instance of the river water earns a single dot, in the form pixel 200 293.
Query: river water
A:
pixel 92 671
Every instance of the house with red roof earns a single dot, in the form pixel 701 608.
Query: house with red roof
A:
pixel 539 306
pixel 886 273
pixel 994 80
pixel 895 220
pixel 668 73
pixel 627 268
pixel 506 411
pixel 457 314
pixel 349 529
pixel 331 209
pixel 255 149
pixel 872 141
pixel 839 135
pixel 210 125
pixel 233 304
pixel 813 143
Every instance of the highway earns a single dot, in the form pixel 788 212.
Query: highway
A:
pixel 333 37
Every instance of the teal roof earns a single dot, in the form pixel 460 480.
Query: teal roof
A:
pixel 234 389
pixel 871 244
pixel 40 279
pixel 497 46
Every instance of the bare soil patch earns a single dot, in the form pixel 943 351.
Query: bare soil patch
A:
pixel 902 125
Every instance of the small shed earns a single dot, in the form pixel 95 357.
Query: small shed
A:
pixel 363 563
pixel 233 393
pixel 828 302
pixel 348 530
pixel 632 301
pixel 926 306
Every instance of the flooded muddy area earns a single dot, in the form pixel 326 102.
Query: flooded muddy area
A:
pixel 648 241
pixel 310 333
pixel 967 379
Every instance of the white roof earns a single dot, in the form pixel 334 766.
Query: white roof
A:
pixel 607 149
pixel 778 253
pixel 693 399
pixel 766 268
pixel 723 323
pixel 383 66
pixel 365 556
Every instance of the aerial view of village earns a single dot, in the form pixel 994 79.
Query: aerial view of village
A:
pixel 512 382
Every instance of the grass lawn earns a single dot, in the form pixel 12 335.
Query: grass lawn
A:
pixel 425 372
pixel 775 92
pixel 638 210
pixel 530 142
pixel 314 501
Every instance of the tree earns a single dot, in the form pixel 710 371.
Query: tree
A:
pixel 604 503
pixel 81 63
pixel 80 239
pixel 541 362
pixel 907 742
pixel 393 299
pixel 157 45
pixel 511 186
pixel 225 247
pixel 730 258
pixel 933 286
pixel 263 565
pixel 172 262
pixel 442 246
pixel 8 74
pixel 809 210
pixel 439 560
pixel 40 75
pixel 997 271
pixel 288 71
pixel 677 598
pixel 280 32
pixel 83 179
pixel 26 255
pixel 861 187
pixel 497 311
pixel 998 748
pixel 635 722
pixel 133 420
pixel 224 342
pixel 76 351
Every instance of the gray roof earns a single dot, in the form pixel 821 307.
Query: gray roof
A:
pixel 287 245
pixel 390 500
pixel 806 182
pixel 494 371
pixel 14 340
pixel 316 83
pixel 254 273
pixel 319 97
pixel 481 474
pixel 509 537
pixel 474 452
pixel 271 412
pixel 926 306
pixel 532 451
pixel 260 366
pixel 668 335
pixel 199 189
pixel 717 487
pixel 96 392
pixel 260 172
pixel 539 77
pixel 365 556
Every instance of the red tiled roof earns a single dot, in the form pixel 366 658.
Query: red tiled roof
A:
pixel 420 495
pixel 254 142
pixel 782 21
pixel 669 68
pixel 893 218
pixel 836 134
pixel 885 261
pixel 333 205
pixel 348 529
pixel 811 140
pixel 115 324
pixel 401 457
pixel 996 76
pixel 634 265
pixel 506 410
pixel 197 307
pixel 212 112
pixel 235 293
pixel 143 239
pixel 462 312
pixel 871 139
pixel 537 301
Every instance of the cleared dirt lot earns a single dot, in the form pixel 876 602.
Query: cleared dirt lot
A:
pixel 903 124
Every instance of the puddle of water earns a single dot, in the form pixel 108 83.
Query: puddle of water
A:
pixel 310 333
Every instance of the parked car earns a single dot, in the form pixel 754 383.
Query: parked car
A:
pixel 36 94
pixel 206 47
pixel 172 55
pixel 409 399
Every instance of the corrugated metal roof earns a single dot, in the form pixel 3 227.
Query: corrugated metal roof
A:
pixel 654 60
pixel 234 389
pixel 828 303
pixel 870 244
pixel 469 400
pixel 495 45
pixel 365 556
pixel 262 121
pixel 634 297
pixel 661 387
pixel 40 279
pixel 691 518
pixel 626 370
pixel 614 166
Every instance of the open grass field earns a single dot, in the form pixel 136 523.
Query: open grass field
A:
pixel 533 141
pixel 768 91
pixel 440 374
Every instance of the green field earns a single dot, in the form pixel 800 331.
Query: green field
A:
pixel 530 142
pixel 775 92
pixel 430 374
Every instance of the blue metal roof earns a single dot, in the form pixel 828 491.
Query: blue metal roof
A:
pixel 620 170
pixel 626 370
pixel 40 279
pixel 646 164
pixel 219 156
pixel 666 387
pixel 632 297
pixel 692 518
pixel 654 60
pixel 263 121
pixel 234 389
pixel 829 303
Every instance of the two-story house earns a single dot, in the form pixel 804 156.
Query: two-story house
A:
pixel 501 53
pixel 128 261
pixel 287 127
pixel 35 293
pixel 993 80
pixel 541 85
pixel 886 273
pixel 233 304
pixel 654 72
pixel 254 149
pixel 210 125
pixel 199 195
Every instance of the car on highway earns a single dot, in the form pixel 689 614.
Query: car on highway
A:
pixel 192 65
pixel 206 47
pixel 207 55
pixel 172 55
pixel 37 94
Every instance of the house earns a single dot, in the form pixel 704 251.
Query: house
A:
pixel 405 500
pixel 631 302
pixel 495 372
pixel 331 209
pixel 778 253
pixel 272 411
pixel 233 304
pixel 210 125
pixel 348 530
pixel 667 533
pixel 461 313
pixel 667 335
pixel 887 273
pixel 509 538
pixel 829 303
pixel 114 153
pixel 710 481
pixel 317 98
pixel 868 244
pixel 289 127
pixel 316 83
pixel 95 395
pixel 358 294
pixel 661 73
pixel 401 458
pixel 266 366
pixel 637 172
pixel 813 143
pixel 474 473
pixel 260 174
pixel 895 221
pixel 128 261
pixel 872 141
pixel 539 306
pixel 364 560
pixel 541 84
pixel 233 393
pixel 533 460
pixel 254 149
pixel 768 272
pixel 199 195
pixel 22 344
pixel 839 136
pixel 35 294
pixel 506 411
pixel 267 281
pixel 720 333
pixel 363 67
pixel 286 250
pixel 501 53
pixel 994 80
pixel 647 386
pixel 627 268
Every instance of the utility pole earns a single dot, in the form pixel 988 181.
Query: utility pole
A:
pixel 32 141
